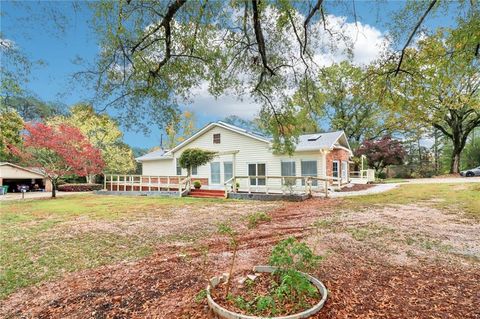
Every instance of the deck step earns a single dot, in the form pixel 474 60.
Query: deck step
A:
pixel 207 193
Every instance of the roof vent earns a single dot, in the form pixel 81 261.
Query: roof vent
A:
pixel 314 137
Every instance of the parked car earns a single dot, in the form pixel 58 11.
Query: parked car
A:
pixel 471 172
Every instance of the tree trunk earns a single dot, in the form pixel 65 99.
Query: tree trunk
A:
pixel 455 162
pixel 54 188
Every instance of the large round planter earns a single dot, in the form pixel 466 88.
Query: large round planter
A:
pixel 227 314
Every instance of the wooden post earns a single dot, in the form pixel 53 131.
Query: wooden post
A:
pixel 266 185
pixel 141 182
pixel 282 186
pixel 235 184
pixel 158 183
pixel 124 183
pixel 168 183
pixel 104 182
pixel 149 183
pixel 111 183
pixel 326 188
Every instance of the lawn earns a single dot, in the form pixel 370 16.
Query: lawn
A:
pixel 43 239
pixel 405 252
pixel 461 197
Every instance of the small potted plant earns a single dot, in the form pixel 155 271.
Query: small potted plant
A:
pixel 197 184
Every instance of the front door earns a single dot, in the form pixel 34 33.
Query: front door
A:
pixel 215 173
pixel 344 171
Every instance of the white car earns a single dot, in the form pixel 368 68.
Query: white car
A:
pixel 471 172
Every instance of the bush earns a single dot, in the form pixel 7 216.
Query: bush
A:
pixel 381 175
pixel 79 187
pixel 197 184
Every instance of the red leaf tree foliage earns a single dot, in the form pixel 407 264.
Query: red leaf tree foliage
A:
pixel 382 153
pixel 58 151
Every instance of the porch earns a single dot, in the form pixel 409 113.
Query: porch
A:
pixel 253 184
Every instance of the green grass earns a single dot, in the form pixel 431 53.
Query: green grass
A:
pixel 39 241
pixel 450 197
pixel 394 180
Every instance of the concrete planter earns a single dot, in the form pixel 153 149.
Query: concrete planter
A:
pixel 227 314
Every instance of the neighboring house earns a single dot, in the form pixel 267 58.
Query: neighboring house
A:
pixel 244 154
pixel 12 175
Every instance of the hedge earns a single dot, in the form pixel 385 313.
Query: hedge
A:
pixel 79 187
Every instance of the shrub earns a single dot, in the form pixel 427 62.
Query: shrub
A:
pixel 79 187
pixel 197 184
pixel 255 218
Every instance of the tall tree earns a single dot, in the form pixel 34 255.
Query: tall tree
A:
pixel 58 151
pixel 180 128
pixel 382 152
pixel 344 95
pixel 11 125
pixel 31 108
pixel 439 84
pixel 103 132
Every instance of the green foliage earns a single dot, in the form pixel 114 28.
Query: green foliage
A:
pixel 31 108
pixel 197 184
pixel 200 296
pixel 11 125
pixel 254 219
pixel 104 133
pixel 192 157
pixel 290 254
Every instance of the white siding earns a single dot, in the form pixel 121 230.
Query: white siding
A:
pixel 159 168
pixel 249 150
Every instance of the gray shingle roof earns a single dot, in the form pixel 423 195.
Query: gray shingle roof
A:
pixel 313 142
pixel 307 142
pixel 155 155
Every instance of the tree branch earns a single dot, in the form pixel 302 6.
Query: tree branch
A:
pixel 419 23
pixel 259 36
pixel 307 21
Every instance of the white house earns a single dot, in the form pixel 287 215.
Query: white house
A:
pixel 244 154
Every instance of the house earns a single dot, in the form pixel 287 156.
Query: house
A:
pixel 248 157
pixel 12 175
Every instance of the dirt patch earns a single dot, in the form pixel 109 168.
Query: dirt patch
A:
pixel 363 280
pixel 356 187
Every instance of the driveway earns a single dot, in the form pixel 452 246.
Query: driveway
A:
pixel 441 180
pixel 36 195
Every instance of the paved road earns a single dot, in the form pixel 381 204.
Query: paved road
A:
pixel 443 180
pixel 36 195
pixel 380 188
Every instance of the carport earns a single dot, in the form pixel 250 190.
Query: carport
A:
pixel 13 176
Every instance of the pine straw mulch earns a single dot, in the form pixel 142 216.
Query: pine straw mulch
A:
pixel 361 283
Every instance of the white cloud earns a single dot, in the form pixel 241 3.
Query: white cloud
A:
pixel 203 103
pixel 6 44
pixel 367 42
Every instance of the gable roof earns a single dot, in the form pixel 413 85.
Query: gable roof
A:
pixel 328 140
pixel 307 142
pixel 33 170
pixel 156 155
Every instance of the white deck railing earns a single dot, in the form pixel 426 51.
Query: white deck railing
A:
pixel 280 184
pixel 149 183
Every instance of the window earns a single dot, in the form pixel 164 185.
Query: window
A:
pixel 227 171
pixel 216 138
pixel 257 169
pixel 215 172
pixel 335 169
pixel 288 168
pixel 194 170
pixel 179 169
pixel 309 168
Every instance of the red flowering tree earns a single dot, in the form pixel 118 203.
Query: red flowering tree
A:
pixel 382 153
pixel 58 151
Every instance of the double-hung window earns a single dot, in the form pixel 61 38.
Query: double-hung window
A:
pixel 257 169
pixel 179 168
pixel 309 168
pixel 227 171
pixel 288 169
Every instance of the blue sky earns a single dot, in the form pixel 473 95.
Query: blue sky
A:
pixel 59 50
